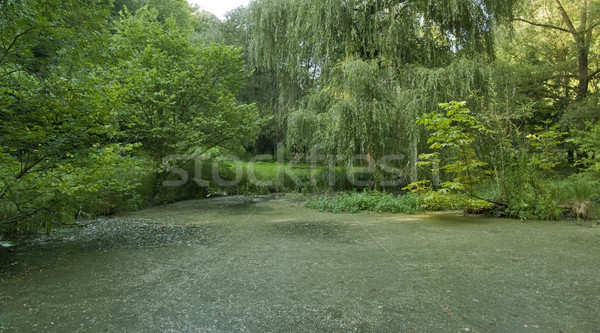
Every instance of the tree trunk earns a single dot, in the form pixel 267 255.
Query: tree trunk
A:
pixel 414 159
pixel 582 37
pixel 583 76
pixel 435 173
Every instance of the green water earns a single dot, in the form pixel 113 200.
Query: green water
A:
pixel 251 265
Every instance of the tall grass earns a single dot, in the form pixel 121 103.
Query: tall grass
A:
pixel 373 201
pixel 580 192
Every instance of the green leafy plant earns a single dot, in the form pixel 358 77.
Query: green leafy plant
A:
pixel 578 194
pixel 60 153
pixel 544 142
pixel 453 133
pixel 452 137
pixel 442 200
pixel 589 144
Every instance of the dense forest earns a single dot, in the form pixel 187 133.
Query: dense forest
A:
pixel 485 106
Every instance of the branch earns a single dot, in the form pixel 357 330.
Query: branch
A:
pixel 11 72
pixel 583 16
pixel 562 76
pixel 28 167
pixel 558 86
pixel 16 38
pixel 549 26
pixel 566 18
pixel 14 41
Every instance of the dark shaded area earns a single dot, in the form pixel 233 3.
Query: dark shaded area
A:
pixel 100 236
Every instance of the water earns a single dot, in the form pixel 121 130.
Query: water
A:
pixel 257 265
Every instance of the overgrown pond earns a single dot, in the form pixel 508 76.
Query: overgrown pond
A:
pixel 257 265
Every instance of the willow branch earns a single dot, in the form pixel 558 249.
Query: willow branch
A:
pixel 542 25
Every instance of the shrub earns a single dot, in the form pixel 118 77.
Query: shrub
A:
pixel 535 207
pixel 445 200
pixel 580 192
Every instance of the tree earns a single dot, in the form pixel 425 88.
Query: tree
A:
pixel 177 95
pixel 305 43
pixel 206 26
pixel 452 137
pixel 355 113
pixel 548 62
pixel 58 156
pixel 454 132
pixel 578 19
pixel 263 87
pixel 178 10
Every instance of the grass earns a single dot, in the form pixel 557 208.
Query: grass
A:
pixel 271 266
pixel 372 201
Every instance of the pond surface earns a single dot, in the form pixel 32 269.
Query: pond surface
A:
pixel 256 265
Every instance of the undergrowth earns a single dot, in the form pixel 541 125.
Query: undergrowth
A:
pixel 373 201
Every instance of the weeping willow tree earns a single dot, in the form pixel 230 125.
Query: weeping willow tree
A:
pixel 304 38
pixel 354 113
pixel 356 73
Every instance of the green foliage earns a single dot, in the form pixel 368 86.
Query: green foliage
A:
pixel 573 196
pixel 206 26
pixel 454 138
pixel 445 200
pixel 373 201
pixel 589 143
pixel 551 58
pixel 86 183
pixel 353 114
pixel 564 34
pixel 176 10
pixel 419 32
pixel 544 153
pixel 87 111
pixel 376 48
pixel 535 207
pixel 92 103
pixel 334 180
pixel 453 134
pixel 58 155
pixel 524 155
pixel 580 192
pixel 177 96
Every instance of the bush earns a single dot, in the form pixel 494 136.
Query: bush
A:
pixel 581 192
pixel 575 196
pixel 445 200
pixel 90 184
pixel 535 207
